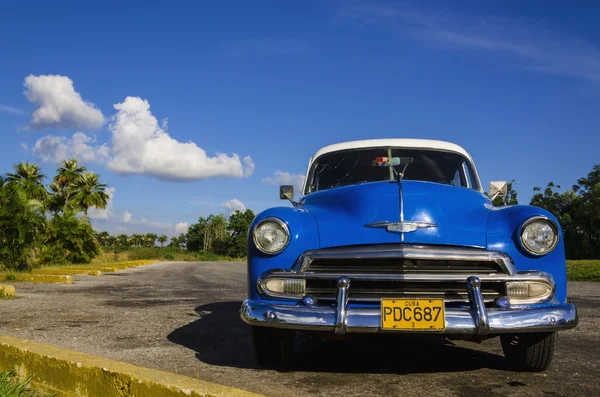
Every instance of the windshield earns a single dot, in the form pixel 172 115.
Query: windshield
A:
pixel 347 167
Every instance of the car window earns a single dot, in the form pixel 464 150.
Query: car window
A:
pixel 347 167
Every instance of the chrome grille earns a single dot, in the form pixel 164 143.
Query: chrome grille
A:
pixel 404 271
pixel 372 291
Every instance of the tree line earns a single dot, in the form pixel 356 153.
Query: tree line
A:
pixel 220 235
pixel 135 240
pixel 214 234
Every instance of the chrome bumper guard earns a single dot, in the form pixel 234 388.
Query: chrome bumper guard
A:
pixel 476 320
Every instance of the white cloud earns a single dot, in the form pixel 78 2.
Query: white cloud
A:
pixel 528 44
pixel 59 105
pixel 130 219
pixel 53 148
pixel 139 143
pixel 285 178
pixel 127 217
pixel 234 205
pixel 12 110
pixel 141 146
pixel 182 227
pixel 106 213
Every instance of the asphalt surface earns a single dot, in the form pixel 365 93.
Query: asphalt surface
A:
pixel 183 317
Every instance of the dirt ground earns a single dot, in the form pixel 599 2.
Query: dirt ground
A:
pixel 183 317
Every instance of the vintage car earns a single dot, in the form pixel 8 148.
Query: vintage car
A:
pixel 397 236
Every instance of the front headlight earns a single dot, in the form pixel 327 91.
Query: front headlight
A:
pixel 539 235
pixel 271 235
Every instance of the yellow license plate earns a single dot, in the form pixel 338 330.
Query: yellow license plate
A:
pixel 413 314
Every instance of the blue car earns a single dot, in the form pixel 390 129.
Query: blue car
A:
pixel 396 236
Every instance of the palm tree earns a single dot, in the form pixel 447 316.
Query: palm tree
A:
pixel 151 239
pixel 68 173
pixel 122 239
pixel 29 178
pixel 162 239
pixel 103 238
pixel 86 191
pixel 21 221
pixel 57 200
pixel 136 239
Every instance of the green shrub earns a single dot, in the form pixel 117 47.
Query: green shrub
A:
pixel 207 256
pixel 169 254
pixel 53 255
pixel 10 276
pixel 69 239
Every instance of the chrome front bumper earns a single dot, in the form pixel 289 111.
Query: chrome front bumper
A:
pixel 342 318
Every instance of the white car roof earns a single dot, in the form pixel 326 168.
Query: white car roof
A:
pixel 396 142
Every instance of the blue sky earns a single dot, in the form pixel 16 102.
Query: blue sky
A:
pixel 515 83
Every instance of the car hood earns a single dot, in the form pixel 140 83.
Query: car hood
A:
pixel 342 213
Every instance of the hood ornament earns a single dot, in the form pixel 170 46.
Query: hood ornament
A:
pixel 402 226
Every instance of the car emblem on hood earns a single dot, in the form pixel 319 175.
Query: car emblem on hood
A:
pixel 402 226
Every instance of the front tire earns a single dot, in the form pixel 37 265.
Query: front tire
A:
pixel 529 352
pixel 273 348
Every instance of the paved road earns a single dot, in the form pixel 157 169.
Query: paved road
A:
pixel 183 317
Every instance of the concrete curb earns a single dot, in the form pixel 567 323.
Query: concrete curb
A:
pixel 74 374
pixel 42 278
pixel 62 271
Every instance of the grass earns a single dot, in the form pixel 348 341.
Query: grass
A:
pixel 583 270
pixel 129 258
pixel 159 254
pixel 9 387
pixel 211 256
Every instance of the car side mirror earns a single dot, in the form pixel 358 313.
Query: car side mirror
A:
pixel 498 189
pixel 286 192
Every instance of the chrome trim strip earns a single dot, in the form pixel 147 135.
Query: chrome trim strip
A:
pixel 406 251
pixel 341 305
pixel 466 174
pixel 432 278
pixel 365 320
pixel 478 306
